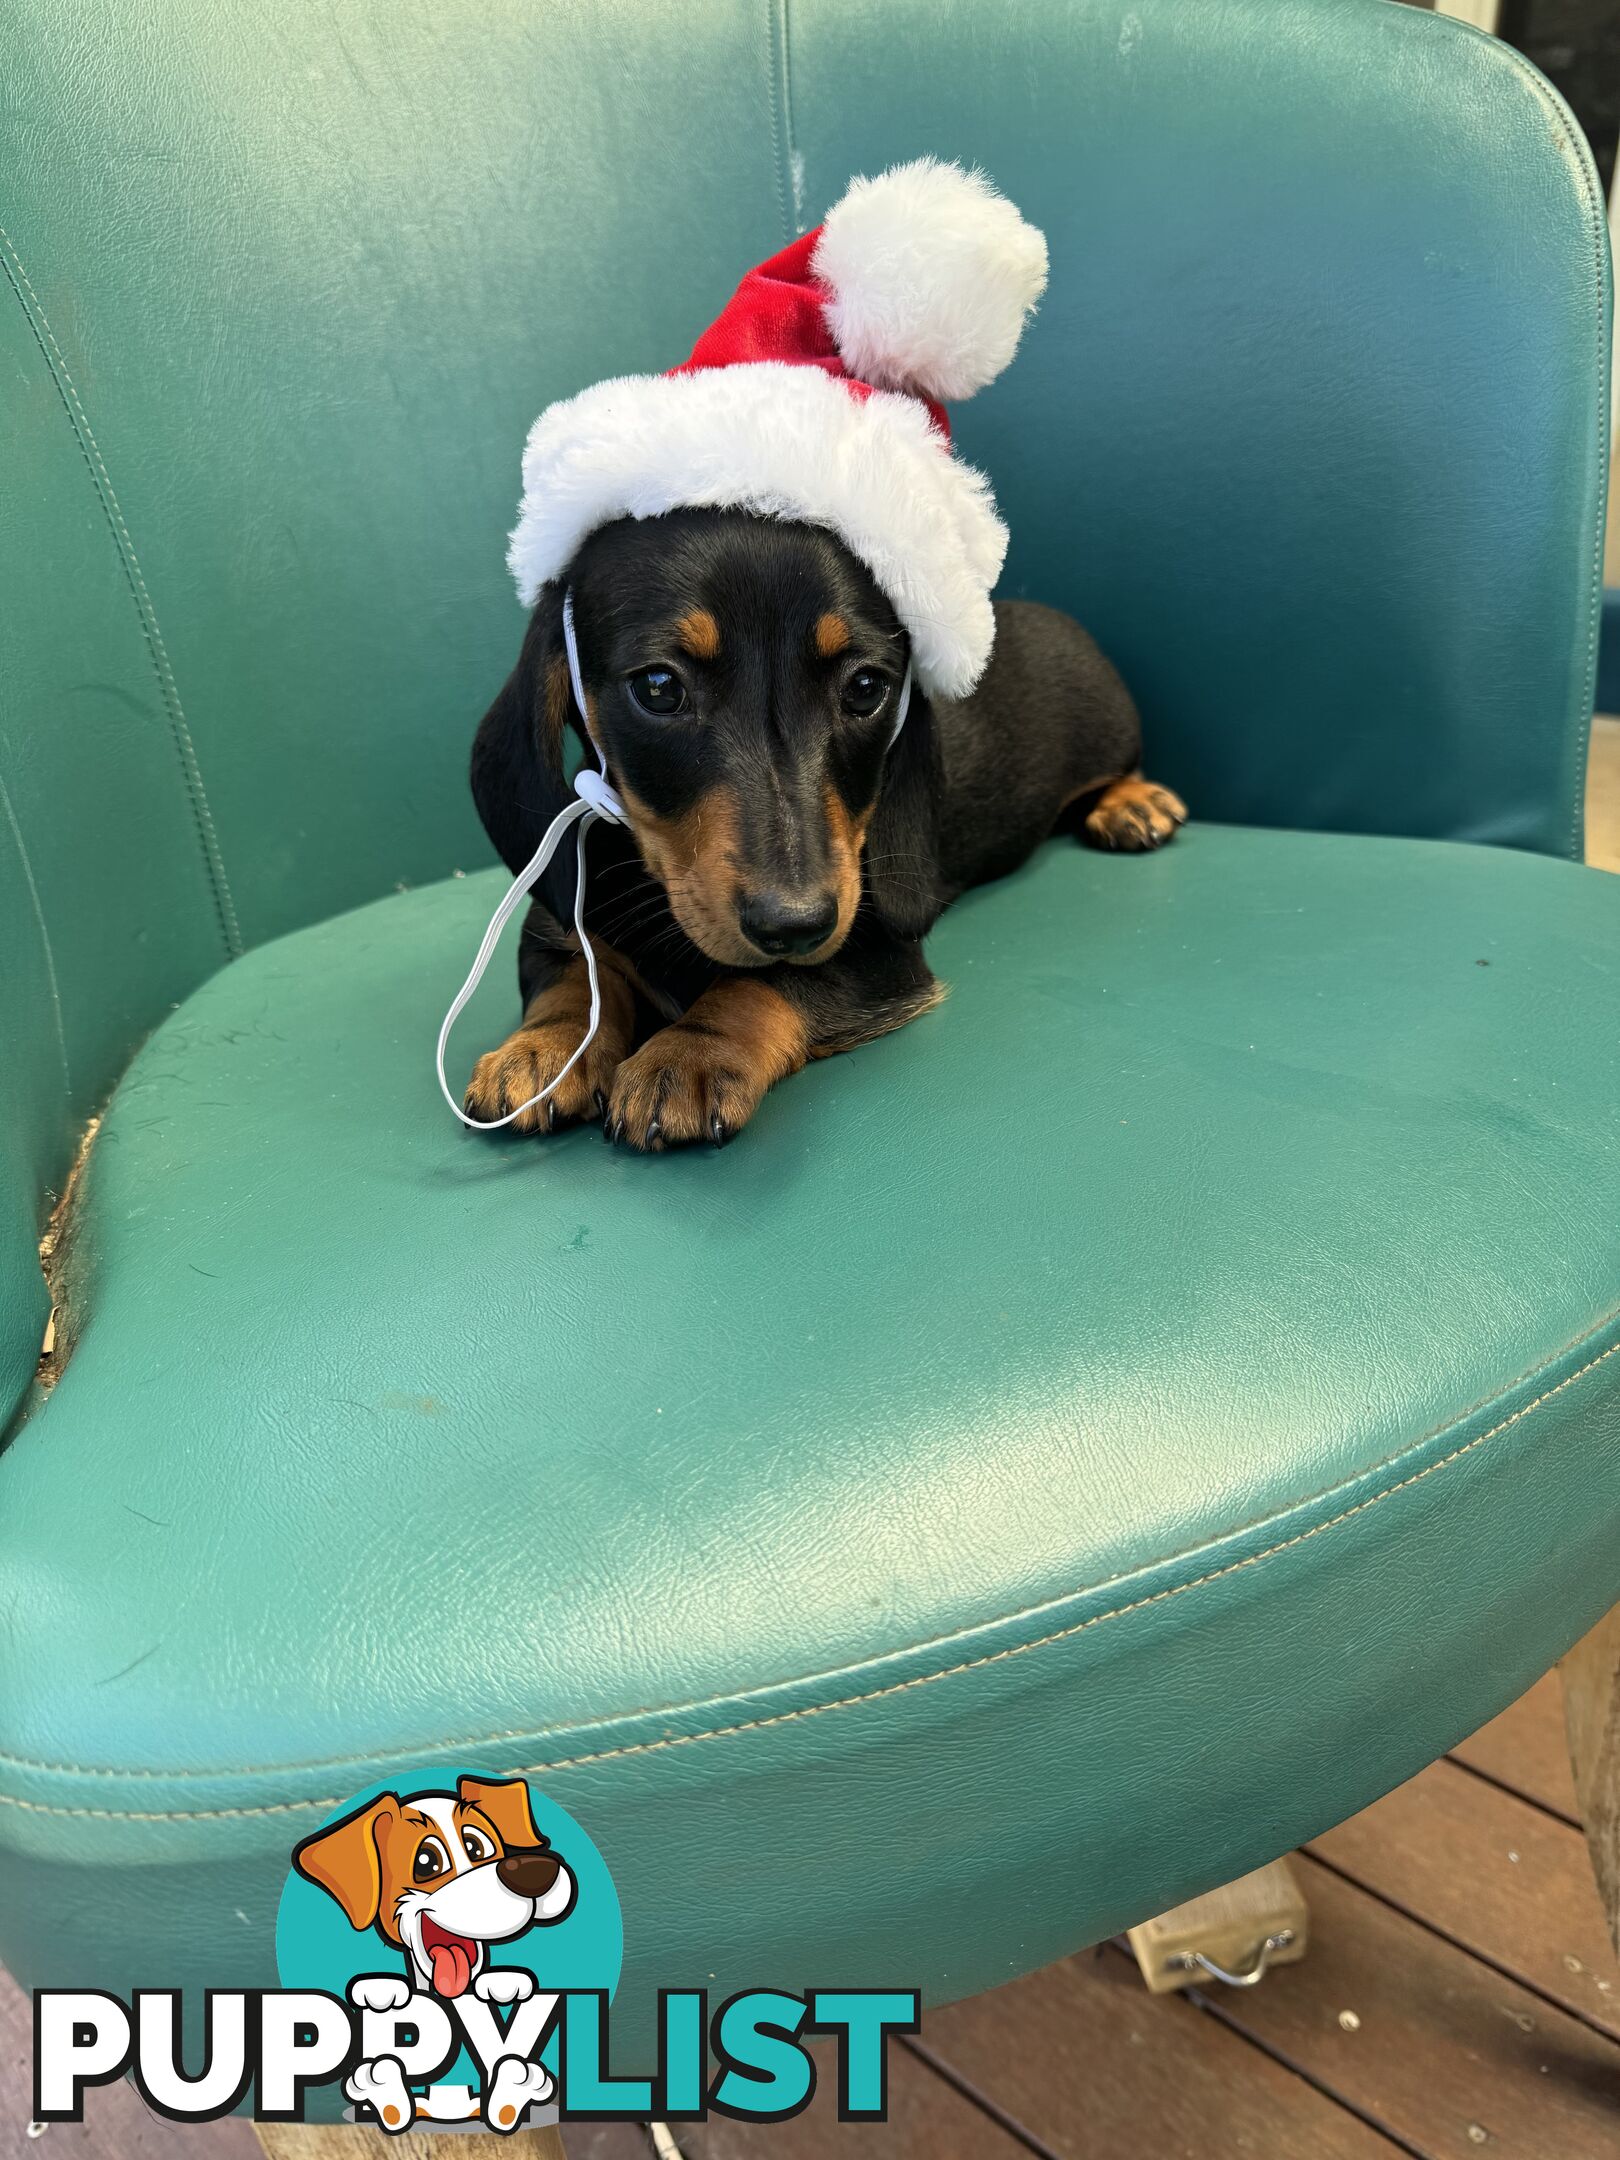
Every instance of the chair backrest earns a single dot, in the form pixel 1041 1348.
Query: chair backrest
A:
pixel 1310 429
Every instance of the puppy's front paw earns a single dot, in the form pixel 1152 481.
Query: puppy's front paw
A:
pixel 1134 815
pixel 681 1086
pixel 381 2085
pixel 504 1984
pixel 528 1062
pixel 516 2086
pixel 703 1077
pixel 380 1991
pixel 553 1028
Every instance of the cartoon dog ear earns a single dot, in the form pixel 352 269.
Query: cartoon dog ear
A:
pixel 506 1802
pixel 346 1861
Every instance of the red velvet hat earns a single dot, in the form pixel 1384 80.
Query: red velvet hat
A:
pixel 817 394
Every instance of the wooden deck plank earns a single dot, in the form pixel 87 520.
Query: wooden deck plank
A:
pixel 1087 2063
pixel 1524 1750
pixel 1437 2047
pixel 1498 1876
pixel 928 2120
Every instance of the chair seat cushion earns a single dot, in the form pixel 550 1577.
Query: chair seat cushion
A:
pixel 1058 1457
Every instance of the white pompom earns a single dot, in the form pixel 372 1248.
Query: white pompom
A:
pixel 932 274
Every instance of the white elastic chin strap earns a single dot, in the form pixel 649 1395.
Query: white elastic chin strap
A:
pixel 593 799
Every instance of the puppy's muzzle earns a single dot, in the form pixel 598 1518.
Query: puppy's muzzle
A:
pixel 783 924
pixel 529 1871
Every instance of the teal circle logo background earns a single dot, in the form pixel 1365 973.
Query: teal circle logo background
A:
pixel 317 1948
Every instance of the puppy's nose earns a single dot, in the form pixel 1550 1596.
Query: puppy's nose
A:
pixel 778 924
pixel 530 1873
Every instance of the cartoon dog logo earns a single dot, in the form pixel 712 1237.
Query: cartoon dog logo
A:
pixel 440 1876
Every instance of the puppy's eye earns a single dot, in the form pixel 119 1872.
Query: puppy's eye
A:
pixel 478 1846
pixel 865 693
pixel 431 1860
pixel 659 692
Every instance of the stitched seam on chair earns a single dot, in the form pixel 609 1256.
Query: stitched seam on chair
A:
pixel 146 614
pixel 930 1642
pixel 44 933
pixel 848 1702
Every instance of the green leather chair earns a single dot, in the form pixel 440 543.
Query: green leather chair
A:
pixel 1065 1453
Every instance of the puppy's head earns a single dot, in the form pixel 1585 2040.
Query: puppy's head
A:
pixel 441 1874
pixel 742 676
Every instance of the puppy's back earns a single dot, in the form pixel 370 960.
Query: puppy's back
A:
pixel 1049 721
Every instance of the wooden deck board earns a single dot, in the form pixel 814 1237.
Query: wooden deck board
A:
pixel 1524 1750
pixel 1429 2042
pixel 1090 2064
pixel 1494 1874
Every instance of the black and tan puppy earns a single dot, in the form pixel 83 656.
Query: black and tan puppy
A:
pixel 783 861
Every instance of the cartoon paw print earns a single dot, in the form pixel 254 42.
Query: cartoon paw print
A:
pixel 381 2085
pixel 516 2086
pixel 380 1991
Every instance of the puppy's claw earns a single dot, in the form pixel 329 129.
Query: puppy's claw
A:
pixel 717 1130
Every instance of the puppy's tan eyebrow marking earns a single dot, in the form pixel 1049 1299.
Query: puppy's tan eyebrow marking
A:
pixel 700 634
pixel 831 635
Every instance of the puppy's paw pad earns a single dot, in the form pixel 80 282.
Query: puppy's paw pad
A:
pixel 380 2085
pixel 526 1064
pixel 516 2086
pixel 682 1086
pixel 1135 815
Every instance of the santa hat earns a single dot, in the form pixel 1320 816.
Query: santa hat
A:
pixel 816 395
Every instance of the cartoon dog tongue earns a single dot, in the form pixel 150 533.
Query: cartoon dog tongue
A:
pixel 452 1965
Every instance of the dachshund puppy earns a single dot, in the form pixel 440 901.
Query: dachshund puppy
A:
pixel 783 860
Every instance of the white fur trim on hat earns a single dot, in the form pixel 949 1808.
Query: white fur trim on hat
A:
pixel 932 274
pixel 783 441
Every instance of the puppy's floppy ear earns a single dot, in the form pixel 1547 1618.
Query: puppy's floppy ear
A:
pixel 506 1802
pixel 346 1861
pixel 517 758
pixel 902 841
